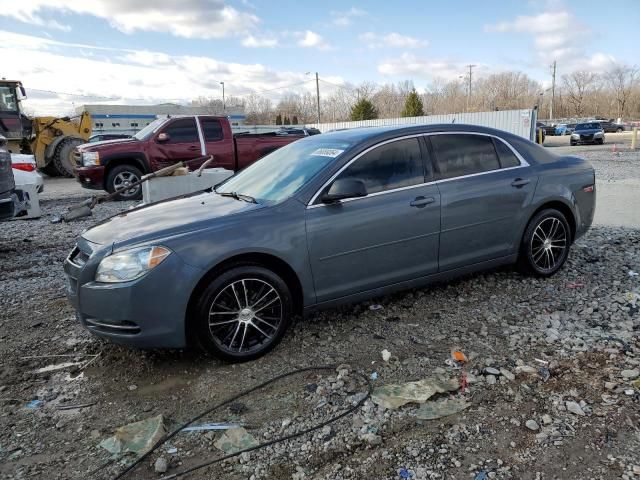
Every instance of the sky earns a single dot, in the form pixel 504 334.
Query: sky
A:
pixel 76 52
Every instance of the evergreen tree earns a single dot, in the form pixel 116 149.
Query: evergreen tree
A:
pixel 286 121
pixel 413 105
pixel 294 120
pixel 364 110
pixel 278 119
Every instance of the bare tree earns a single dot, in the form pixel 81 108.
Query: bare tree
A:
pixel 622 79
pixel 577 85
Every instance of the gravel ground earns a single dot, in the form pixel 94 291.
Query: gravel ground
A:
pixel 550 375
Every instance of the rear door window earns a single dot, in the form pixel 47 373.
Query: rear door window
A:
pixel 508 159
pixel 212 129
pixel 390 166
pixel 457 155
pixel 182 131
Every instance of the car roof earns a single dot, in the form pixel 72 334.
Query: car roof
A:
pixel 360 134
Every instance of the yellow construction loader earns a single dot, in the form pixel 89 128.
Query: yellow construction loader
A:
pixel 50 139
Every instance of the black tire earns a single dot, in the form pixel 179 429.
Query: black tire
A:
pixel 619 130
pixel 63 156
pixel 600 141
pixel 119 176
pixel 573 144
pixel 50 170
pixel 226 337
pixel 547 232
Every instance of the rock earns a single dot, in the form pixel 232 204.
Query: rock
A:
pixel 546 419
pixel 490 379
pixel 386 355
pixel 532 425
pixel 492 371
pixel 630 374
pixel 575 408
pixel 371 438
pixel 610 385
pixel 507 374
pixel 161 465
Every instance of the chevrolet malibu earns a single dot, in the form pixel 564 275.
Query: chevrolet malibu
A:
pixel 329 219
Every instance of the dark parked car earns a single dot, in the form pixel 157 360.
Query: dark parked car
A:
pixel 590 132
pixel 547 129
pixel 7 183
pixel 611 127
pixel 332 218
pixel 101 137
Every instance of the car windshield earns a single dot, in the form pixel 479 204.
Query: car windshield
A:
pixel 281 173
pixel 147 131
pixel 587 126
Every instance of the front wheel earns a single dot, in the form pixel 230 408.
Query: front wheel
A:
pixel 545 244
pixel 120 177
pixel 243 313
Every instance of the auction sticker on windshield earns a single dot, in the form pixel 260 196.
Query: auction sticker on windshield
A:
pixel 327 152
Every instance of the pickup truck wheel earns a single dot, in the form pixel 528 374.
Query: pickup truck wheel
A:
pixel 122 176
pixel 243 313
pixel 545 244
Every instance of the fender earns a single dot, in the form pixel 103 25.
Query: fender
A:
pixel 139 158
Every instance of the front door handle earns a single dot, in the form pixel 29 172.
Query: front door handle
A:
pixel 422 201
pixel 520 182
pixel 193 148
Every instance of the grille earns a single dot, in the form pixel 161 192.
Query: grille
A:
pixel 78 257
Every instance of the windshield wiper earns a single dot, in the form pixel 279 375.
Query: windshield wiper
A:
pixel 238 196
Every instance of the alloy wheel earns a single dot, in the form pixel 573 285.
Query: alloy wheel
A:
pixel 125 179
pixel 245 316
pixel 548 244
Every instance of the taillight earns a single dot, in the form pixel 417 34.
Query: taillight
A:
pixel 588 189
pixel 26 167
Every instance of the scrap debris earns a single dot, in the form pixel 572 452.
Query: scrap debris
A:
pixel 394 396
pixel 138 437
pixel 235 440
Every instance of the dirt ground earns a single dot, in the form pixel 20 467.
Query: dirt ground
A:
pixel 570 340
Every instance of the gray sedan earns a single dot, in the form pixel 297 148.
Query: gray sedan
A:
pixel 333 218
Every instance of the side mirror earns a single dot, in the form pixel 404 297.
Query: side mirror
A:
pixel 344 188
pixel 163 137
pixel 23 92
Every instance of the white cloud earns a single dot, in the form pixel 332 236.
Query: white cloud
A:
pixel 126 76
pixel 393 40
pixel 187 18
pixel 409 65
pixel 345 18
pixel 309 39
pixel 260 42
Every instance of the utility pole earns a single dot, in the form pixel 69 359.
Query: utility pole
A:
pixel 224 107
pixel 469 88
pixel 553 89
pixel 318 95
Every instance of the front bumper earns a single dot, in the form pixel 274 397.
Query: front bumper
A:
pixel 148 312
pixel 584 139
pixel 91 177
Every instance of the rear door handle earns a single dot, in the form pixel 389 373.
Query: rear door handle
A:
pixel 520 182
pixel 422 201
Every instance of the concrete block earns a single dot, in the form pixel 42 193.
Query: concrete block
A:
pixel 162 188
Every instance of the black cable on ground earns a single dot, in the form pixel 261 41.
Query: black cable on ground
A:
pixel 262 445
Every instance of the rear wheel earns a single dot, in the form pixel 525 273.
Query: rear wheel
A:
pixel 545 244
pixel 63 156
pixel 619 130
pixel 600 141
pixel 50 169
pixel 243 313
pixel 121 176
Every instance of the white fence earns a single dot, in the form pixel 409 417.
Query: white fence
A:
pixel 518 122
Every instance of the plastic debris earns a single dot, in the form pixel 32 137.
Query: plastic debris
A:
pixel 172 450
pixel 459 356
pixel 374 376
pixel 575 285
pixel 404 473
pixel 633 274
pixel 57 366
pixel 34 403
pixel 375 307
pixel 386 355
pixel 443 408
pixel 396 395
pixel 544 373
pixel 210 426
pixel 137 437
pixel 481 475
pixel 234 440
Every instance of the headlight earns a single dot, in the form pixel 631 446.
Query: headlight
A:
pixel 90 159
pixel 575 135
pixel 130 264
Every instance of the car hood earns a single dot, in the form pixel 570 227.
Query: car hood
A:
pixel 167 218
pixel 117 143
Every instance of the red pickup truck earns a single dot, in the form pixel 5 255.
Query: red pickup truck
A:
pixel 117 163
